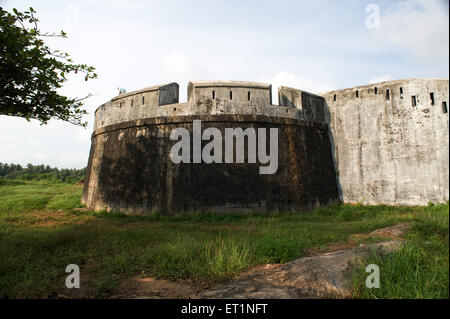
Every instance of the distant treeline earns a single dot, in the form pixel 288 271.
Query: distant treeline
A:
pixel 41 172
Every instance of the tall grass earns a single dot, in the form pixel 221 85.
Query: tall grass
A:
pixel 226 258
pixel 420 269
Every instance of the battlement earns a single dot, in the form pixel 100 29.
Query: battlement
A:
pixel 212 98
pixel 404 93
pixel 238 91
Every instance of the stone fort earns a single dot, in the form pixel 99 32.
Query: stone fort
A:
pixel 383 143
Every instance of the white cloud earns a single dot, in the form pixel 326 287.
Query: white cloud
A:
pixel 84 135
pixel 418 27
pixel 295 81
pixel 56 144
pixel 34 143
pixel 381 78
pixel 21 150
pixel 120 4
pixel 178 65
pixel 181 68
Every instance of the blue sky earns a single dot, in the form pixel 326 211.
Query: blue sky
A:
pixel 315 45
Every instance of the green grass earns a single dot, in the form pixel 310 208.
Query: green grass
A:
pixel 420 269
pixel 42 231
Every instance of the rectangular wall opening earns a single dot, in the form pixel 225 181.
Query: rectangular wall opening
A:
pixel 413 100
pixel 357 93
pixel 444 107
pixel 401 93
pixel 231 95
pixel 432 98
pixel 131 102
pixel 142 100
pixel 376 90
pixel 213 95
pixel 334 97
pixel 248 95
pixel 388 95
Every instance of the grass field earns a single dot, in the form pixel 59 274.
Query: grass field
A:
pixel 43 228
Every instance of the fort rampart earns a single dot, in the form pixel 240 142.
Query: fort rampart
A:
pixel 391 141
pixel 130 168
pixel 384 143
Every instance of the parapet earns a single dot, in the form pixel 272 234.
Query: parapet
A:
pixel 163 94
pixel 405 93
pixel 241 91
pixel 213 98
pixel 311 107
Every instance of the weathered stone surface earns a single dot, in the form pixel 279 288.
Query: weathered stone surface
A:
pixel 322 276
pixel 130 169
pixel 387 150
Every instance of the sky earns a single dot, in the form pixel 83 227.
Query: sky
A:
pixel 313 45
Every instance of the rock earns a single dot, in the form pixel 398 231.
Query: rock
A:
pixel 392 231
pixel 321 276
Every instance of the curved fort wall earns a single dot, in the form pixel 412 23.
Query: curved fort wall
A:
pixel 391 141
pixel 130 168
pixel 388 143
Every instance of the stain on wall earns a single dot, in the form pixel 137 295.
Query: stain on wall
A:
pixel 130 169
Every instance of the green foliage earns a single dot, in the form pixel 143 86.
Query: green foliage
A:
pixel 31 73
pixel 39 173
pixel 421 268
pixel 226 258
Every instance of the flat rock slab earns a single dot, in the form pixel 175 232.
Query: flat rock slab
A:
pixel 393 231
pixel 321 276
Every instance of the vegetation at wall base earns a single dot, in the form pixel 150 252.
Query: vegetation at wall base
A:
pixel 44 227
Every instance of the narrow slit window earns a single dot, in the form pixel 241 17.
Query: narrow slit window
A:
pixel 401 93
pixel 334 97
pixel 357 93
pixel 213 95
pixel 376 90
pixel 248 95
pixel 388 95
pixel 120 104
pixel 413 100
pixel 432 98
pixel 231 95
pixel 143 100
pixel 131 102
pixel 444 107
